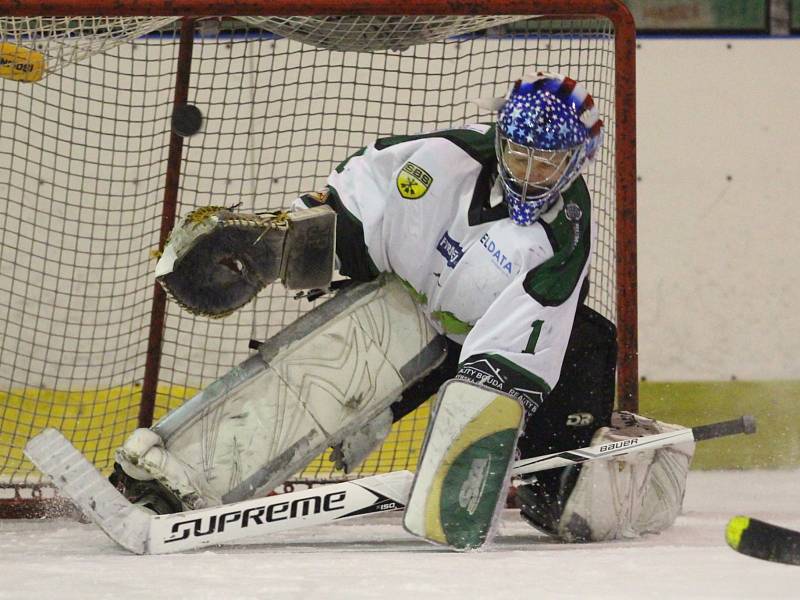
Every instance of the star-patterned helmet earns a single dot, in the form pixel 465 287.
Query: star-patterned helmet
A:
pixel 547 129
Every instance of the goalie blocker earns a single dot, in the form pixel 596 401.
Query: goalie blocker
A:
pixel 464 471
pixel 579 404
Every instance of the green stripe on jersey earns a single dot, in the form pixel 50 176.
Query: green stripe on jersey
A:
pixel 351 249
pixel 529 378
pixel 340 167
pixel 450 323
pixel 479 146
pixel 553 282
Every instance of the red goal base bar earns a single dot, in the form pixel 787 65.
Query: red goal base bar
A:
pixel 34 501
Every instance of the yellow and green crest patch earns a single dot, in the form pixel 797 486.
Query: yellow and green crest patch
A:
pixel 413 181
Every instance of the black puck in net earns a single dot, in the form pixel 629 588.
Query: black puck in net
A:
pixel 186 120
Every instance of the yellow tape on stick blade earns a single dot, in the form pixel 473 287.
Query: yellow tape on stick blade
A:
pixel 20 64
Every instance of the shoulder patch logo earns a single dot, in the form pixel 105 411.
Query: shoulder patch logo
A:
pixel 413 181
pixel 450 249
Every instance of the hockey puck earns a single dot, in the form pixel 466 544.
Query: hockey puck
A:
pixel 186 120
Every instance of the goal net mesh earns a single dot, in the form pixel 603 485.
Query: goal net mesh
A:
pixel 83 155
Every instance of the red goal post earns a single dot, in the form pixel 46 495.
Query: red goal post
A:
pixel 92 178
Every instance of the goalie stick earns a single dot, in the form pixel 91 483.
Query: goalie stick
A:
pixel 763 540
pixel 745 424
pixel 140 532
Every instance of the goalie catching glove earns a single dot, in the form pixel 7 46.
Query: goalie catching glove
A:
pixel 217 260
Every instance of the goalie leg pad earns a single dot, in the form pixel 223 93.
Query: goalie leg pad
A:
pixel 355 448
pixel 463 473
pixel 629 495
pixel 318 381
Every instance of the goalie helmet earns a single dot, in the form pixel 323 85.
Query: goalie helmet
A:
pixel 547 129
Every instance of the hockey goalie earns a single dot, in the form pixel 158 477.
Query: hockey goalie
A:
pixel 467 254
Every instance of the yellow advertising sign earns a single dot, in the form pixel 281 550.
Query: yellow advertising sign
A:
pixel 20 64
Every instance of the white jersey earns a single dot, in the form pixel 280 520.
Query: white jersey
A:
pixel 428 209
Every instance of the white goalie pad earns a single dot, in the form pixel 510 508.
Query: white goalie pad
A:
pixel 316 382
pixel 629 495
pixel 463 473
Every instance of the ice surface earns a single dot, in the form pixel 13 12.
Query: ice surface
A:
pixel 375 558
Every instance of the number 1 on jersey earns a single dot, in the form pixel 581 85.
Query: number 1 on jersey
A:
pixel 530 347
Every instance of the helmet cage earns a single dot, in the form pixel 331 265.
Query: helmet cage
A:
pixel 547 129
pixel 533 178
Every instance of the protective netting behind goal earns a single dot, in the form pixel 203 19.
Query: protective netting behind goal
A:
pixel 84 167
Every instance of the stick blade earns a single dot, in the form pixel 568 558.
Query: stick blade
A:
pixel 77 479
pixel 766 541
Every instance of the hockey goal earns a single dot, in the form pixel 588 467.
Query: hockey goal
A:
pixel 92 175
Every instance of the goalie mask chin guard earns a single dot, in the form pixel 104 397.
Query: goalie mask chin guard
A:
pixel 547 129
